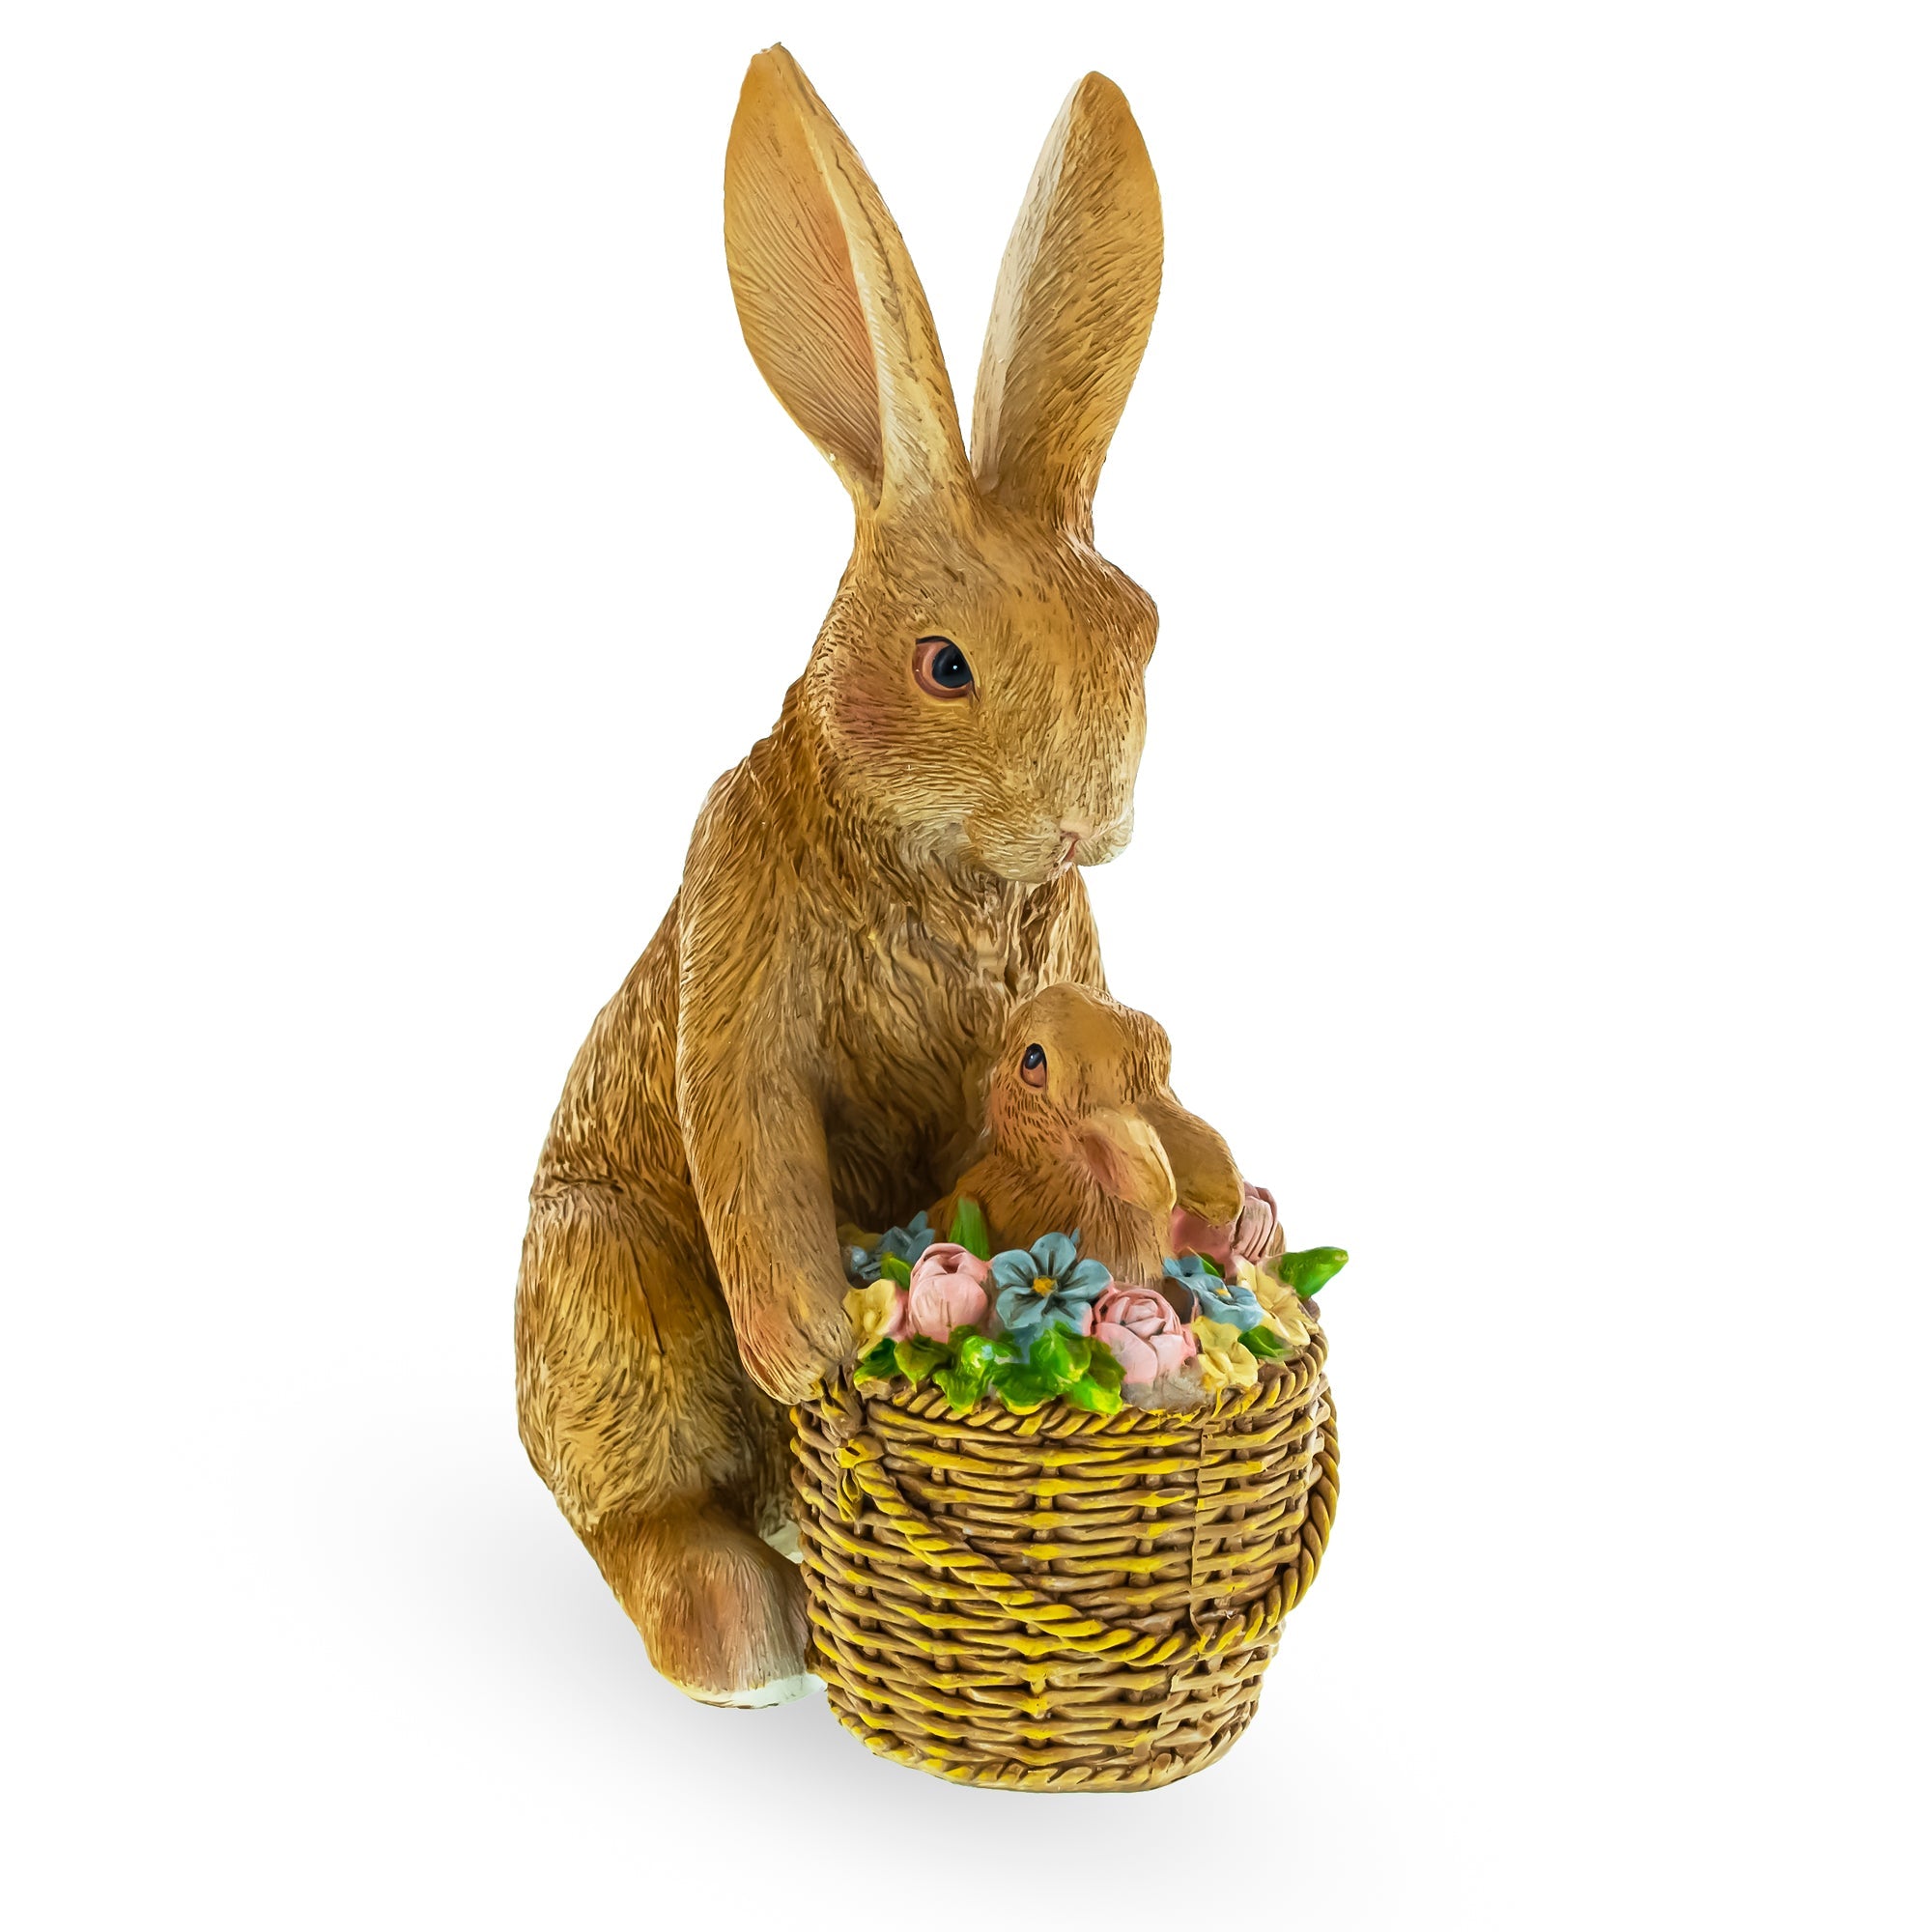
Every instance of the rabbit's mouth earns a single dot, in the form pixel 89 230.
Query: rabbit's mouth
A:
pixel 1095 845
pixel 1039 858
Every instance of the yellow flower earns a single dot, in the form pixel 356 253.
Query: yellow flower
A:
pixel 1280 1301
pixel 871 1310
pixel 1224 1362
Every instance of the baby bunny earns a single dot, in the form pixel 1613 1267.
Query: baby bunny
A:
pixel 1083 1131
pixel 805 1041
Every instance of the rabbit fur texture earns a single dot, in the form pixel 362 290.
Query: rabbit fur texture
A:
pixel 807 1038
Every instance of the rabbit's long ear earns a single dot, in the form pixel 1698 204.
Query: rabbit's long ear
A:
pixel 1071 313
pixel 831 308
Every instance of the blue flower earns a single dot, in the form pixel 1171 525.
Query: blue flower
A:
pixel 1230 1301
pixel 1047 1287
pixel 908 1243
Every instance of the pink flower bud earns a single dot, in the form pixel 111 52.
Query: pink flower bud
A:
pixel 948 1290
pixel 1141 1330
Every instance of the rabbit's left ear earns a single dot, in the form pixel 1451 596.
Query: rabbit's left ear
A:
pixel 1071 314
pixel 827 297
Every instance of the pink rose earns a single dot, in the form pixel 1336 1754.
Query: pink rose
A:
pixel 1250 1236
pixel 1141 1328
pixel 948 1290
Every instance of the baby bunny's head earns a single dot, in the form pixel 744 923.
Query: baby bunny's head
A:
pixel 976 688
pixel 1070 1090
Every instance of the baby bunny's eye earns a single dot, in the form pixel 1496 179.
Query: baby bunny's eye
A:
pixel 940 666
pixel 1033 1065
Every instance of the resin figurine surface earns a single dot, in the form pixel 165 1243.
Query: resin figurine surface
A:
pixel 806 1039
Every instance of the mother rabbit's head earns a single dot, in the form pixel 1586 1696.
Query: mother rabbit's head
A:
pixel 976 688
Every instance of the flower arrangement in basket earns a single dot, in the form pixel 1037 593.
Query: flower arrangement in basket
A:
pixel 1051 1523
pixel 1032 1325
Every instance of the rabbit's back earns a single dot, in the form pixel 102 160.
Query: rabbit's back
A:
pixel 617 1121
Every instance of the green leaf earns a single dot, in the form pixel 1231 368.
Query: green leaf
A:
pixel 1051 1358
pixel 896 1269
pixel 1059 1363
pixel 918 1356
pixel 1104 1372
pixel 960 1389
pixel 1021 1389
pixel 970 1230
pixel 1308 1270
pixel 1087 1394
pixel 1264 1344
pixel 1006 1348
pixel 878 1364
pixel 1211 1266
pixel 964 1382
pixel 969 1341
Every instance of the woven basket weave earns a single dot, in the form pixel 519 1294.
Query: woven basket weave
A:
pixel 1059 1602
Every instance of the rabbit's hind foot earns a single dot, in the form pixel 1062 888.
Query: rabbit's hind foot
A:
pixel 722 1613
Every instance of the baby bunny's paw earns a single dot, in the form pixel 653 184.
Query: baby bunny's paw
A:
pixel 1257 1228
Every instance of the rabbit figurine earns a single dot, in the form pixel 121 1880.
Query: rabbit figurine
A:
pixel 804 1042
pixel 1084 1132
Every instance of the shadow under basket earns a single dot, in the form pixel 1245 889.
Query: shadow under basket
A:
pixel 1059 1602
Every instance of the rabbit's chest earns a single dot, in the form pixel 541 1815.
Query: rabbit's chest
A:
pixel 909 1032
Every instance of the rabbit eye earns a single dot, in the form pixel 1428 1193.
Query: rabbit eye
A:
pixel 1033 1065
pixel 940 666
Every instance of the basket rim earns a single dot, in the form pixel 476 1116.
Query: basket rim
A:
pixel 1295 1374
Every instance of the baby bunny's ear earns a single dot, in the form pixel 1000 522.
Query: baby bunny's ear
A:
pixel 830 304
pixel 1071 314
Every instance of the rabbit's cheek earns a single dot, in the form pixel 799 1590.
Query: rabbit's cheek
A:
pixel 868 721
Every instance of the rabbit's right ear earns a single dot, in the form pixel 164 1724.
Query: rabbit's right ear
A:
pixel 830 304
pixel 1071 313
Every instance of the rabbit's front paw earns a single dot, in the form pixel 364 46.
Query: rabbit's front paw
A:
pixel 790 1353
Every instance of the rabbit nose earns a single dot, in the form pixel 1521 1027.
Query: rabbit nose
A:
pixel 1074 830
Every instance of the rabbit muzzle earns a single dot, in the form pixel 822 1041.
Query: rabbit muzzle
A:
pixel 1089 844
pixel 1051 848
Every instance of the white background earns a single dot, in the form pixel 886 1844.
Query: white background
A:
pixel 1530 462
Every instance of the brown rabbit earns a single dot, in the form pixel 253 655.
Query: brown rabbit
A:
pixel 804 1042
pixel 1083 1131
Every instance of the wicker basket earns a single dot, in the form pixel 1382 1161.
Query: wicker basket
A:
pixel 1059 1602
